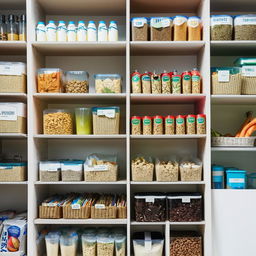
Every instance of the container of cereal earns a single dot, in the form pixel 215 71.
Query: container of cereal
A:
pixel 140 29
pixel 108 83
pixel 57 121
pixel 166 83
pixel 186 82
pixel 191 170
pixel 146 82
pixel 136 82
pixel 161 29
pixel 72 170
pixel 76 82
pixel 12 171
pixel 169 125
pixel 180 28
pixel 191 124
pixel 180 124
pixel 49 80
pixel 136 125
pixel 52 243
pixel 176 83
pixel 89 244
pixel 105 245
pixel 49 171
pixel 245 27
pixel 150 207
pixel 221 27
pixel 167 170
pixel 156 83
pixel 194 28
pixel 201 124
pixel 196 81
pixel 236 179
pixel 147 125
pixel 142 169
pixel 158 125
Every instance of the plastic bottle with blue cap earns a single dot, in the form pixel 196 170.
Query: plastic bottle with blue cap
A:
pixel 71 31
pixel 113 31
pixel 40 32
pixel 51 32
pixel 62 31
pixel 102 31
pixel 81 31
pixel 92 31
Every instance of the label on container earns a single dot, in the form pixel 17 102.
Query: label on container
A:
pixel 194 22
pixel 52 204
pixel 146 121
pixel 221 20
pixel 100 206
pixel 180 120
pixel 249 71
pixel 12 70
pixel 100 167
pixel 191 120
pixel 200 120
pixel 245 20
pixel 195 78
pixel 223 75
pixel 110 113
pixel 146 78
pixel 166 78
pixel 160 22
pixel 135 78
pixel 8 113
pixel 187 77
pixel 139 22
pixel 176 79
pixel 236 180
pixel 150 199
pixel 169 121
pixel 179 20
pixel 185 199
pixel 136 121
pixel 76 206
pixel 158 120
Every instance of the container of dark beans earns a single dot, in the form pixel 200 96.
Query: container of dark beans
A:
pixel 150 207
pixel 185 207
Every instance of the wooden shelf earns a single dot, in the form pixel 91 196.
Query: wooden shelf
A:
pixel 13 96
pixel 42 136
pixel 13 47
pixel 234 99
pixel 168 136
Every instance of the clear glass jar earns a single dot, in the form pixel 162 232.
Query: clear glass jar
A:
pixel 12 29
pixel 76 82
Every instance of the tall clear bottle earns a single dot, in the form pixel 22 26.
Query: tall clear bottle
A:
pixel 71 31
pixel 81 32
pixel 22 28
pixel 12 29
pixel 3 28
pixel 113 31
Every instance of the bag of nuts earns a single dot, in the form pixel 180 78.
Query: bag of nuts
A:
pixel 142 169
pixel 167 170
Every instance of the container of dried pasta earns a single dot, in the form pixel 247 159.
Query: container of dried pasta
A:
pixel 158 125
pixel 136 125
pixel 166 83
pixel 106 120
pixel 201 124
pixel 226 81
pixel 245 27
pixel 13 78
pixel 140 29
pixel 180 28
pixel 12 171
pixel 191 170
pixel 186 82
pixel 142 169
pixel 191 124
pixel 100 168
pixel 161 29
pixel 57 121
pixel 221 27
pixel 146 82
pixel 76 82
pixel 167 170
pixel 108 83
pixel 169 125
pixel 72 170
pixel 49 80
pixel 13 117
pixel 136 82
pixel 156 83
pixel 147 125
pixel 49 171
pixel 194 28
pixel 180 125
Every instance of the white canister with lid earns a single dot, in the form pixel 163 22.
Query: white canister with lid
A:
pixel 41 32
pixel 51 32
pixel 71 31
pixel 92 31
pixel 62 32
pixel 102 31
pixel 81 31
pixel 113 31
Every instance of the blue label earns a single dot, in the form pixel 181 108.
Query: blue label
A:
pixel 14 231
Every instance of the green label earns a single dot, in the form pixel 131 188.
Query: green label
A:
pixel 187 77
pixel 195 78
pixel 135 121
pixel 147 121
pixel 176 79
pixel 136 78
pixel 200 120
pixel 169 121
pixel 191 120
pixel 158 120
pixel 145 78
pixel 180 121
pixel 166 79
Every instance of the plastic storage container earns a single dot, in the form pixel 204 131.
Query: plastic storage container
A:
pixel 13 117
pixel 167 170
pixel 108 83
pixel 49 171
pixel 150 207
pixel 142 169
pixel 12 172
pixel 57 121
pixel 194 28
pixel 148 243
pixel 106 120
pixel 76 82
pixel 185 207
pixel 252 180
pixel 140 29
pixel 218 174
pixel 83 121
pixel 245 27
pixel 120 245
pixel 13 78
pixel 52 244
pixel 49 80
pixel 72 170
pixel 89 244
pixel 191 170
pixel 236 179
pixel 226 80
pixel 221 27
pixel 180 28
pixel 136 125
pixel 161 29
pixel 68 244
pixel 147 125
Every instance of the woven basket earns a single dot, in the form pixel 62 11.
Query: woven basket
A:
pixel 50 212
pixel 248 85
pixel 12 84
pixel 18 126
pixel 233 142
pixel 106 213
pixel 121 212
pixel 82 213
pixel 17 173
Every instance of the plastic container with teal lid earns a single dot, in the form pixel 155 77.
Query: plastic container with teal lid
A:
pixel 236 179
pixel 252 180
pixel 240 62
pixel 106 120
pixel 76 82
pixel 218 177
pixel 108 83
pixel 140 30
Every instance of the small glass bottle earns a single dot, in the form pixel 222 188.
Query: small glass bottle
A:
pixel 12 28
pixel 3 29
pixel 22 28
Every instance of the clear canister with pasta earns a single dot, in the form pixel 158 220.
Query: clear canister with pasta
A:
pixel 191 124
pixel 158 125
pixel 176 83
pixel 136 125
pixel 156 83
pixel 169 125
pixel 201 124
pixel 180 125
pixel 147 125
pixel 196 81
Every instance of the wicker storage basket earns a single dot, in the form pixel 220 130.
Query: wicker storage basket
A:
pixel 249 85
pixel 108 212
pixel 233 142
pixel 50 212
pixel 13 84
pixel 122 212
pixel 12 172
pixel 80 213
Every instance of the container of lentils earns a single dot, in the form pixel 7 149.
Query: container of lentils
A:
pixel 169 125
pixel 185 207
pixel 150 207
pixel 72 170
pixel 158 125
pixel 140 29
pixel 136 125
pixel 245 27
pixel 76 82
pixel 49 171
pixel 221 27
pixel 180 125
pixel 147 125
pixel 161 29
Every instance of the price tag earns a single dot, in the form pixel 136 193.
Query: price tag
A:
pixel 76 206
pixel 223 76
pixel 100 206
pixel 150 199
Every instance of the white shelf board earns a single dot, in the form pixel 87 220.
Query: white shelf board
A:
pixel 233 99
pixel 242 149
pixel 160 223
pixel 81 48
pixel 121 182
pixel 14 183
pixel 155 48
pixel 13 47
pixel 135 223
pixel 13 96
pixel 80 221
pixel 196 136
pixel 168 183
pixel 74 136
pixel 163 6
pixel 165 98
pixel 187 223
pixel 222 6
pixel 81 7
pixel 232 48
pixel 13 135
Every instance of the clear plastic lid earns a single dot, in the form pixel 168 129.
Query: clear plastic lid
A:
pixel 105 76
pixel 48 71
pixel 77 75
pixel 12 68
pixel 245 61
pixel 51 111
pixel 102 110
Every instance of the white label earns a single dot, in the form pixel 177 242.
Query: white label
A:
pixel 236 180
pixel 221 20
pixel 139 22
pixel 179 20
pixel 245 20
pixel 110 113
pixel 12 70
pixel 51 204
pixel 150 199
pixel 100 206
pixel 223 76
pixel 249 71
pixel 160 22
pixel 76 206
pixel 193 22
pixel 186 199
pixel 8 113
pixel 101 167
